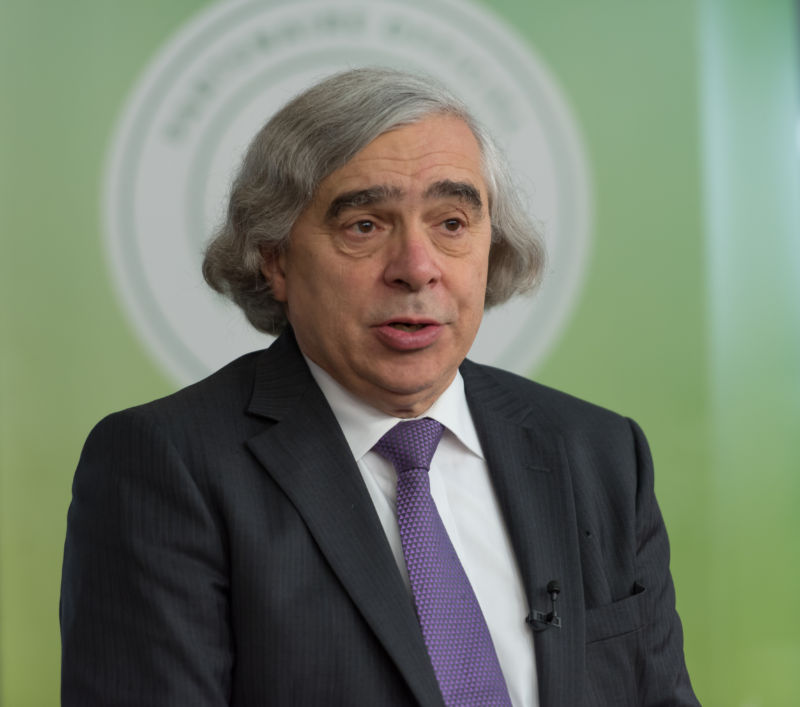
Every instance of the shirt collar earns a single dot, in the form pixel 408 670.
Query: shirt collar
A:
pixel 363 425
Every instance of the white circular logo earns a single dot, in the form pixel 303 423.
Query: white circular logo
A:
pixel 186 126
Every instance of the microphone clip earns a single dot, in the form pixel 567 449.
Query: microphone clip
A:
pixel 540 620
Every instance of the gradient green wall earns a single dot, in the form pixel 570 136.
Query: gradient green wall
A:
pixel 689 320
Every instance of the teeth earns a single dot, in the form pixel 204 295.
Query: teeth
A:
pixel 406 327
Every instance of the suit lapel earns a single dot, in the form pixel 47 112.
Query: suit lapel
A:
pixel 306 453
pixel 528 465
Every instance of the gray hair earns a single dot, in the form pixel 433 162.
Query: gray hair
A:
pixel 315 134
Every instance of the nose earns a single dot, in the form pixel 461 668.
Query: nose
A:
pixel 411 260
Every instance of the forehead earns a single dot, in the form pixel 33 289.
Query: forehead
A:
pixel 410 158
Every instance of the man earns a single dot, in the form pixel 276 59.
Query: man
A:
pixel 256 539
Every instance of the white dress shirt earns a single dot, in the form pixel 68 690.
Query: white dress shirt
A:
pixel 465 499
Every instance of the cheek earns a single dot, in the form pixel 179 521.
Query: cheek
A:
pixel 473 284
pixel 332 299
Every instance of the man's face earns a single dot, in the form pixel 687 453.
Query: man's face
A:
pixel 385 274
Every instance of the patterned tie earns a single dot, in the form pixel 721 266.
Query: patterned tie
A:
pixel 453 626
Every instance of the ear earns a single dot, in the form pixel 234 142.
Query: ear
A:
pixel 273 268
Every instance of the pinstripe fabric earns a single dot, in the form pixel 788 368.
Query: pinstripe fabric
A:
pixel 222 549
pixel 585 494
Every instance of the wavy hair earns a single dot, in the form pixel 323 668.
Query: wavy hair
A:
pixel 315 134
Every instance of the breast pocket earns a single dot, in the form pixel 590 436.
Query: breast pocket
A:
pixel 618 618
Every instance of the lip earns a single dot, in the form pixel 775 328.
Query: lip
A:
pixel 400 340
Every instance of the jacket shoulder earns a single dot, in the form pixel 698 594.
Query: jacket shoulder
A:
pixel 197 408
pixel 543 402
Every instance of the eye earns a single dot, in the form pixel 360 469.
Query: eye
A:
pixel 364 227
pixel 452 225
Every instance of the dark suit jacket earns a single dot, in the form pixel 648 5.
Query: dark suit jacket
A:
pixel 222 549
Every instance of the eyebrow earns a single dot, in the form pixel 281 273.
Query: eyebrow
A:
pixel 359 198
pixel 463 191
pixel 362 197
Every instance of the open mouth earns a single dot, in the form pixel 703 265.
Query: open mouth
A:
pixel 405 326
pixel 409 335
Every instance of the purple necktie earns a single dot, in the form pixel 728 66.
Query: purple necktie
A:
pixel 453 626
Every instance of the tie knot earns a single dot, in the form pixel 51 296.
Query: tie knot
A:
pixel 410 445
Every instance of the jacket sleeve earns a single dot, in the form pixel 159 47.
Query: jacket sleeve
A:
pixel 663 678
pixel 144 595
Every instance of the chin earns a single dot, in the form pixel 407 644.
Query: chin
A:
pixel 415 379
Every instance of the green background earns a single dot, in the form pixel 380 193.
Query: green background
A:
pixel 689 320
